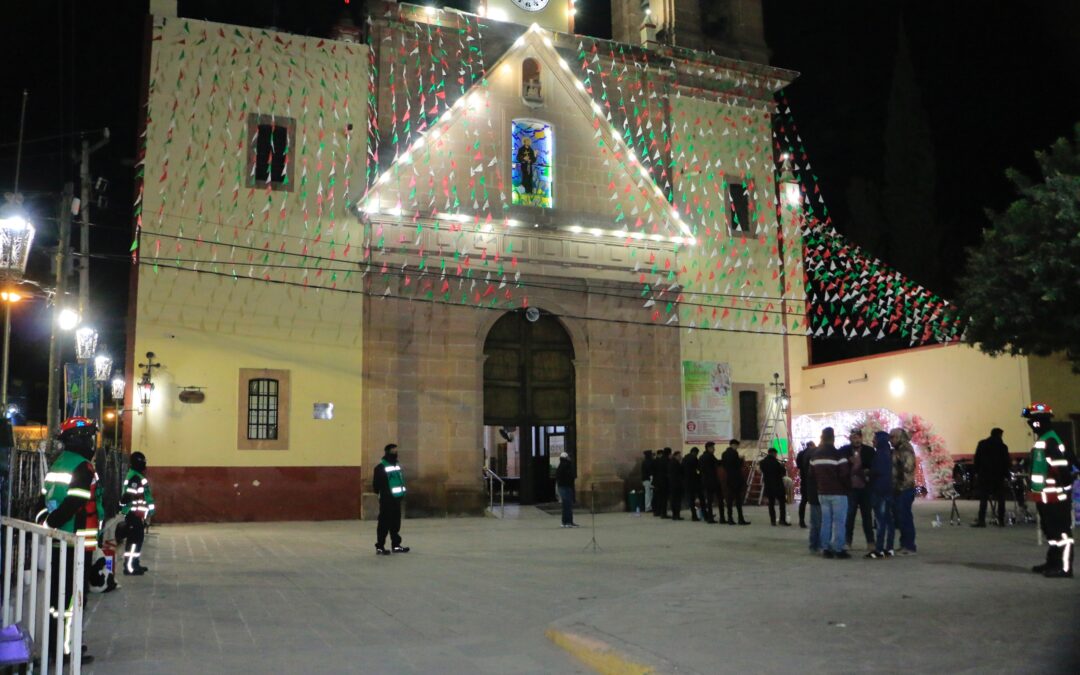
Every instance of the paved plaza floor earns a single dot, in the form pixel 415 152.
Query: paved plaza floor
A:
pixel 484 595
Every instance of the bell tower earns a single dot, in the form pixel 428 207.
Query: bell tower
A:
pixel 733 28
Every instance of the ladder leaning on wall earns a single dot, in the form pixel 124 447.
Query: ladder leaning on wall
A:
pixel 773 428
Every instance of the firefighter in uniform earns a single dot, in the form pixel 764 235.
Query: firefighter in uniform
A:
pixel 137 505
pixel 70 489
pixel 1051 487
pixel 389 484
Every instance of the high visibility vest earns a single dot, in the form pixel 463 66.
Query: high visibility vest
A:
pixel 140 499
pixel 1051 475
pixel 57 488
pixel 395 479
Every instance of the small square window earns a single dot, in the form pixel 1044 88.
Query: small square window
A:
pixel 270 141
pixel 738 207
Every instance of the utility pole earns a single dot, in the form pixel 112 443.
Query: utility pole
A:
pixel 52 418
pixel 84 247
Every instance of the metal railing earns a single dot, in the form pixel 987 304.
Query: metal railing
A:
pixel 490 476
pixel 22 589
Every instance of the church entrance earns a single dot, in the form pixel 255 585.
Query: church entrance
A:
pixel 529 403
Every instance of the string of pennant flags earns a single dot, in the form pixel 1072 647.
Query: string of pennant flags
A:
pixel 671 157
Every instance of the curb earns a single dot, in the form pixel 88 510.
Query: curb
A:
pixel 596 654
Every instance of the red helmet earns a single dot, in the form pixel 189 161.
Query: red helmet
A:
pixel 1036 409
pixel 78 424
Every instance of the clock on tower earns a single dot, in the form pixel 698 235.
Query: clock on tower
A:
pixel 551 14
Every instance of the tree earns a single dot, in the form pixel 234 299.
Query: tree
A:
pixel 1020 290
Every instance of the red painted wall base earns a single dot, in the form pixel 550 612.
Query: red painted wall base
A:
pixel 187 494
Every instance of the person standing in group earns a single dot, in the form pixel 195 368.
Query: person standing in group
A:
pixel 675 484
pixel 709 483
pixel 881 496
pixel 691 469
pixel 832 473
pixel 903 456
pixel 565 475
pixel 810 493
pixel 660 483
pixel 802 462
pixel 647 467
pixel 861 457
pixel 732 462
pixel 1051 465
pixel 389 483
pixel 772 476
pixel 69 489
pixel 137 505
pixel 991 468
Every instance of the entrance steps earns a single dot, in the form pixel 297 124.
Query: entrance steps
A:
pixel 518 512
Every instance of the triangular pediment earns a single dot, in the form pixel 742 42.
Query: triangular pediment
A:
pixel 460 169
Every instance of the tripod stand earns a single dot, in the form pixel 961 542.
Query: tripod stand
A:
pixel 592 512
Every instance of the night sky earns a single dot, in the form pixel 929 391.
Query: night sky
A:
pixel 995 81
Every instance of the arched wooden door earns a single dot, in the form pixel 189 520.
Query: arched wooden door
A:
pixel 529 384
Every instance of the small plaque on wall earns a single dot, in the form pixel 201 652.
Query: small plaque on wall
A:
pixel 192 396
pixel 323 411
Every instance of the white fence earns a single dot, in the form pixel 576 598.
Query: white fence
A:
pixel 29 552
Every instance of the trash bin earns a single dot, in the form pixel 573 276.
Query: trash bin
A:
pixel 636 501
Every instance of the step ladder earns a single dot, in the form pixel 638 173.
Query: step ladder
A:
pixel 774 428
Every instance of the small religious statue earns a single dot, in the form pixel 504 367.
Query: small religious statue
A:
pixel 526 159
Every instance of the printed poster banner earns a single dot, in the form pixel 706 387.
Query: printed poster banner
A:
pixel 80 391
pixel 707 401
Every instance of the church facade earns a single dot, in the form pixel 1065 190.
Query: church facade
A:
pixel 476 235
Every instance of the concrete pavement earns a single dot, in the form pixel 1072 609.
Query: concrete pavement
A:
pixel 479 595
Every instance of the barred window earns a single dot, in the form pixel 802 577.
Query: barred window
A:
pixel 270 141
pixel 262 409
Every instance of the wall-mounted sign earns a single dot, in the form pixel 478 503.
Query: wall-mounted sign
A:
pixel 323 411
pixel 192 395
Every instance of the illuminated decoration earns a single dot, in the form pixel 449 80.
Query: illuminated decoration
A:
pixel 533 152
pixel 849 292
pixel 933 470
pixel 671 128
pixel 102 367
pixel 86 340
pixel 118 388
pixel 16 237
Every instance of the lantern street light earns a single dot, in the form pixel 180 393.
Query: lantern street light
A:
pixel 102 370
pixel 86 339
pixel 146 385
pixel 16 237
pixel 118 399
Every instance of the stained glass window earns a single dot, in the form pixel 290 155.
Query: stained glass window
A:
pixel 533 148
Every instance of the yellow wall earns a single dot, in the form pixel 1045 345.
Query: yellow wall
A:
pixel 1053 382
pixel 200 213
pixel 960 391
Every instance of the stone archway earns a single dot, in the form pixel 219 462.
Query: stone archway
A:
pixel 530 386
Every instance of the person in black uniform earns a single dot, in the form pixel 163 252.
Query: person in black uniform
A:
pixel 802 462
pixel 709 488
pixel 991 467
pixel 388 482
pixel 675 485
pixel 772 475
pixel 691 469
pixel 733 488
pixel 1054 500
pixel 660 483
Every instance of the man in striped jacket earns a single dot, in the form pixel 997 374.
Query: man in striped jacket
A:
pixel 832 474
